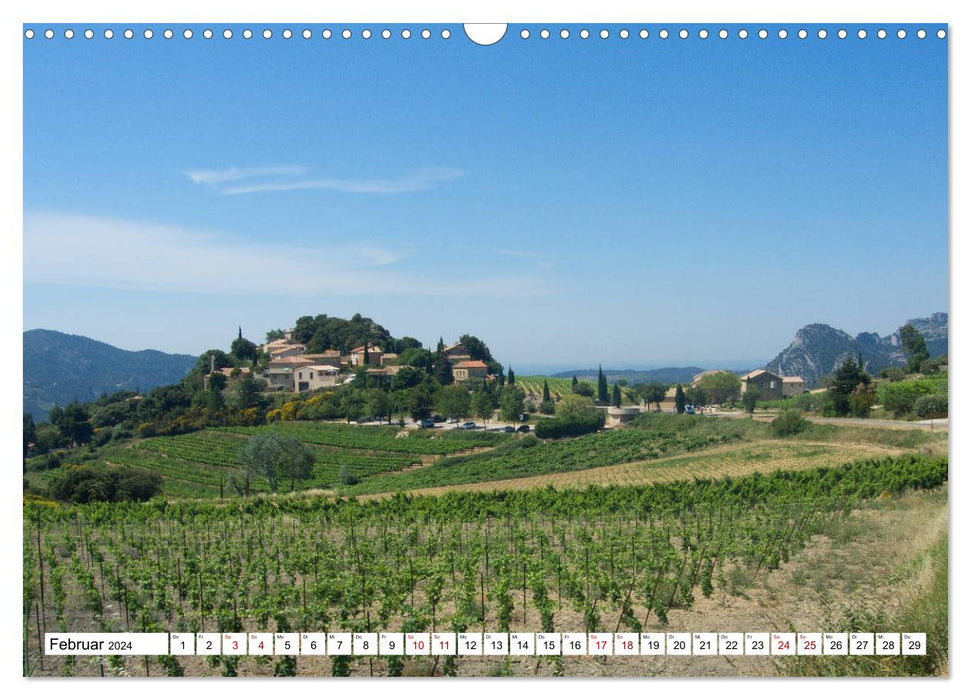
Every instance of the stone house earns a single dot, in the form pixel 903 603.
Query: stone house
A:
pixel 793 386
pixel 768 383
pixel 457 353
pixel 469 369
pixel 314 377
pixel 373 352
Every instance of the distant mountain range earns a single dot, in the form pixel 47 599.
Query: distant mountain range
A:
pixel 665 375
pixel 818 349
pixel 60 368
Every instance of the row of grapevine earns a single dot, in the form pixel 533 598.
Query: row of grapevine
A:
pixel 599 559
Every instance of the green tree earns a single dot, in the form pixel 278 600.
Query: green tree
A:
pixel 914 346
pixel 74 423
pixel 304 329
pixel 346 476
pixel 651 393
pixel 352 405
pixel 750 397
pixel 696 395
pixel 407 377
pixel 601 385
pixel 442 368
pixel 615 395
pixel 276 457
pixel 453 401
pixel 377 403
pixel 216 357
pixel 30 436
pixel 861 400
pixel 483 405
pixel 421 400
pixel 845 381
pixel 546 391
pixel 511 403
pixel 573 383
pixel 275 334
pixel 574 406
pixel 243 349
pixel 720 387
pixel 584 389
pixel 511 377
pixel 415 357
pixel 249 393
pixel 679 399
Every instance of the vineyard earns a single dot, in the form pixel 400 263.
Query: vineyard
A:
pixel 534 385
pixel 531 457
pixel 202 464
pixel 599 559
pixel 378 439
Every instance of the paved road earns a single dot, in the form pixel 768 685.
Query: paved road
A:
pixel 936 424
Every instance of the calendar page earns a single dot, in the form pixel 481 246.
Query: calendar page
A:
pixel 539 349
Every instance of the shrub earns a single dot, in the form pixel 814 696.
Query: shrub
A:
pixel 583 389
pixel 932 406
pixel 346 477
pixel 789 423
pixel 83 485
pixel 894 374
pixel 547 407
pixel 901 397
pixel 47 462
pixel 569 426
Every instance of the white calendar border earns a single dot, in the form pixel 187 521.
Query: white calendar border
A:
pixel 508 10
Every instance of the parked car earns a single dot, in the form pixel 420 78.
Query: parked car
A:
pixel 427 423
pixel 523 428
pixel 437 418
pixel 689 410
pixel 467 426
pixel 506 429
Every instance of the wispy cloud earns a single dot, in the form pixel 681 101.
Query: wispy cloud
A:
pixel 217 177
pixel 281 179
pixel 131 255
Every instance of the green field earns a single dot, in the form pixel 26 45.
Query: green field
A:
pixel 202 464
pixel 617 558
pixel 534 385
pixel 529 456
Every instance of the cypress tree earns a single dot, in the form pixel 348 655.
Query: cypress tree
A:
pixel 511 378
pixel 616 395
pixel 679 399
pixel 602 395
pixel 573 384
pixel 546 390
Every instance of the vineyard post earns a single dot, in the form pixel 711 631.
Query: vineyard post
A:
pixel 40 642
pixel 524 593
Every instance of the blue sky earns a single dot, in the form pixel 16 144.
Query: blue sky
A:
pixel 630 202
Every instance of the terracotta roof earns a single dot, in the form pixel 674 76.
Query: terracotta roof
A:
pixel 228 371
pixel 456 346
pixel 373 348
pixel 753 374
pixel 292 360
pixel 793 380
pixel 471 364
